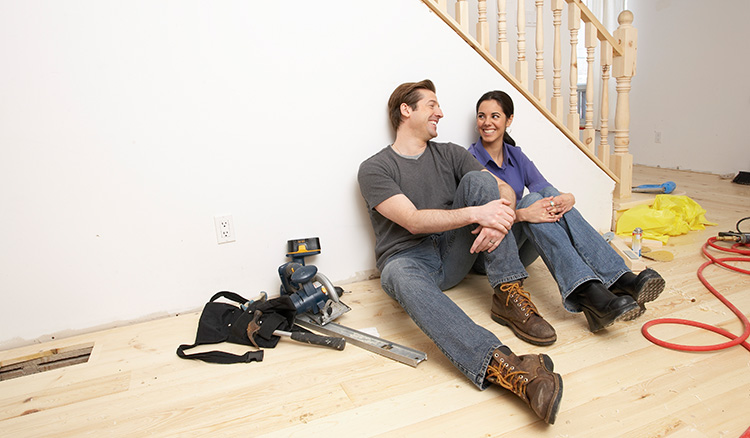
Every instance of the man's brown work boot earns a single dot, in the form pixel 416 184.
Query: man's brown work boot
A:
pixel 512 307
pixel 531 378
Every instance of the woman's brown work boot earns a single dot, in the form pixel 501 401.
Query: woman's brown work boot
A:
pixel 512 307
pixel 531 378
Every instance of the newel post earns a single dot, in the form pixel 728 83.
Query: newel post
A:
pixel 623 69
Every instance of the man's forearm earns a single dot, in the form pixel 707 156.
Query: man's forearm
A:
pixel 438 221
pixel 402 211
pixel 399 209
pixel 506 192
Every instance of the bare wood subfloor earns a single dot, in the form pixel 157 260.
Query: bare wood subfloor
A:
pixel 616 382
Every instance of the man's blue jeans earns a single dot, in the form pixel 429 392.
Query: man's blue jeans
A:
pixel 572 250
pixel 417 277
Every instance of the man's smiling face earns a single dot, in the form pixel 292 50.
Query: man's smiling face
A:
pixel 426 115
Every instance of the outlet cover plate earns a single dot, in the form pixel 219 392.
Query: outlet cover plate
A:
pixel 224 229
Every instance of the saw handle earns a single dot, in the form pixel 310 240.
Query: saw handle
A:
pixel 325 341
pixel 312 338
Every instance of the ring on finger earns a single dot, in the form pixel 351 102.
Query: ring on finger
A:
pixel 491 242
pixel 552 203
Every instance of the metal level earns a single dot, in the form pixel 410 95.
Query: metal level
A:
pixel 397 352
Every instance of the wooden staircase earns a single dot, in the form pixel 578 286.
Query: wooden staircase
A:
pixel 617 57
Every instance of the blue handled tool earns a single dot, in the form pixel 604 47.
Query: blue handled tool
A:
pixel 667 187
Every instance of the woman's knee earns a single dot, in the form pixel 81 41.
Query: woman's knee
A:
pixel 549 191
pixel 529 199
pixel 532 197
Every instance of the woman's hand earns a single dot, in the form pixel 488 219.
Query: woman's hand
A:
pixel 561 204
pixel 548 209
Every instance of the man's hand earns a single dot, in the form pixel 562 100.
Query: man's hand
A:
pixel 487 239
pixel 495 220
pixel 496 214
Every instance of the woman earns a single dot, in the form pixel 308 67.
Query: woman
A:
pixel 591 276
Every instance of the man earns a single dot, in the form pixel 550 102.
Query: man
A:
pixel 434 208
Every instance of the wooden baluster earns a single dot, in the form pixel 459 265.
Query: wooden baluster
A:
pixel 441 4
pixel 556 105
pixel 589 132
pixel 540 85
pixel 623 68
pixel 483 28
pixel 522 67
pixel 462 14
pixel 503 49
pixel 606 62
pixel 574 23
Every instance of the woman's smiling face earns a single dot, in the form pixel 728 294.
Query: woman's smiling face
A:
pixel 492 121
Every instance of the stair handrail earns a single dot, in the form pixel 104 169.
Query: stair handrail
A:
pixel 617 55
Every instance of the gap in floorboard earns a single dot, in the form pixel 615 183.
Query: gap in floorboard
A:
pixel 45 361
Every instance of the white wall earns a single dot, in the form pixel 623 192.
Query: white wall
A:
pixel 691 85
pixel 125 127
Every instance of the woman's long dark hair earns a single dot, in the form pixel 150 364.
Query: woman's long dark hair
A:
pixel 505 102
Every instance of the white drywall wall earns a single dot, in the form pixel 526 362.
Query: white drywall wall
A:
pixel 690 88
pixel 125 127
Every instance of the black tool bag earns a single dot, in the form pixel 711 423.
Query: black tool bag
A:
pixel 223 322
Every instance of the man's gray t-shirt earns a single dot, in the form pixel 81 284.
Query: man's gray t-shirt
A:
pixel 430 182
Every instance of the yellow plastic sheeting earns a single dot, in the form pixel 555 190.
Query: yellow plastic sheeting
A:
pixel 670 215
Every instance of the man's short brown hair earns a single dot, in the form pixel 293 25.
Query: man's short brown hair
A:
pixel 409 94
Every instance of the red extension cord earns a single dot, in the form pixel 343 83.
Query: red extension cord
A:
pixel 734 340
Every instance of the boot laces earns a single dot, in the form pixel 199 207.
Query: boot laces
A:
pixel 520 296
pixel 506 376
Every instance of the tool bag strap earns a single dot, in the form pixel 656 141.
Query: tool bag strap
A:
pixel 221 357
pixel 237 298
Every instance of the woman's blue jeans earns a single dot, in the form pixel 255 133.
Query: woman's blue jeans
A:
pixel 417 277
pixel 572 249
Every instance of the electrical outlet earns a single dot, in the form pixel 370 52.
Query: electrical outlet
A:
pixel 657 136
pixel 224 228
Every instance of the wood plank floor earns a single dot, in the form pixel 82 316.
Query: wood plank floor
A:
pixel 616 383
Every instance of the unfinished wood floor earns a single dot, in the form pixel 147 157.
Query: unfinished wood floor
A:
pixel 616 383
